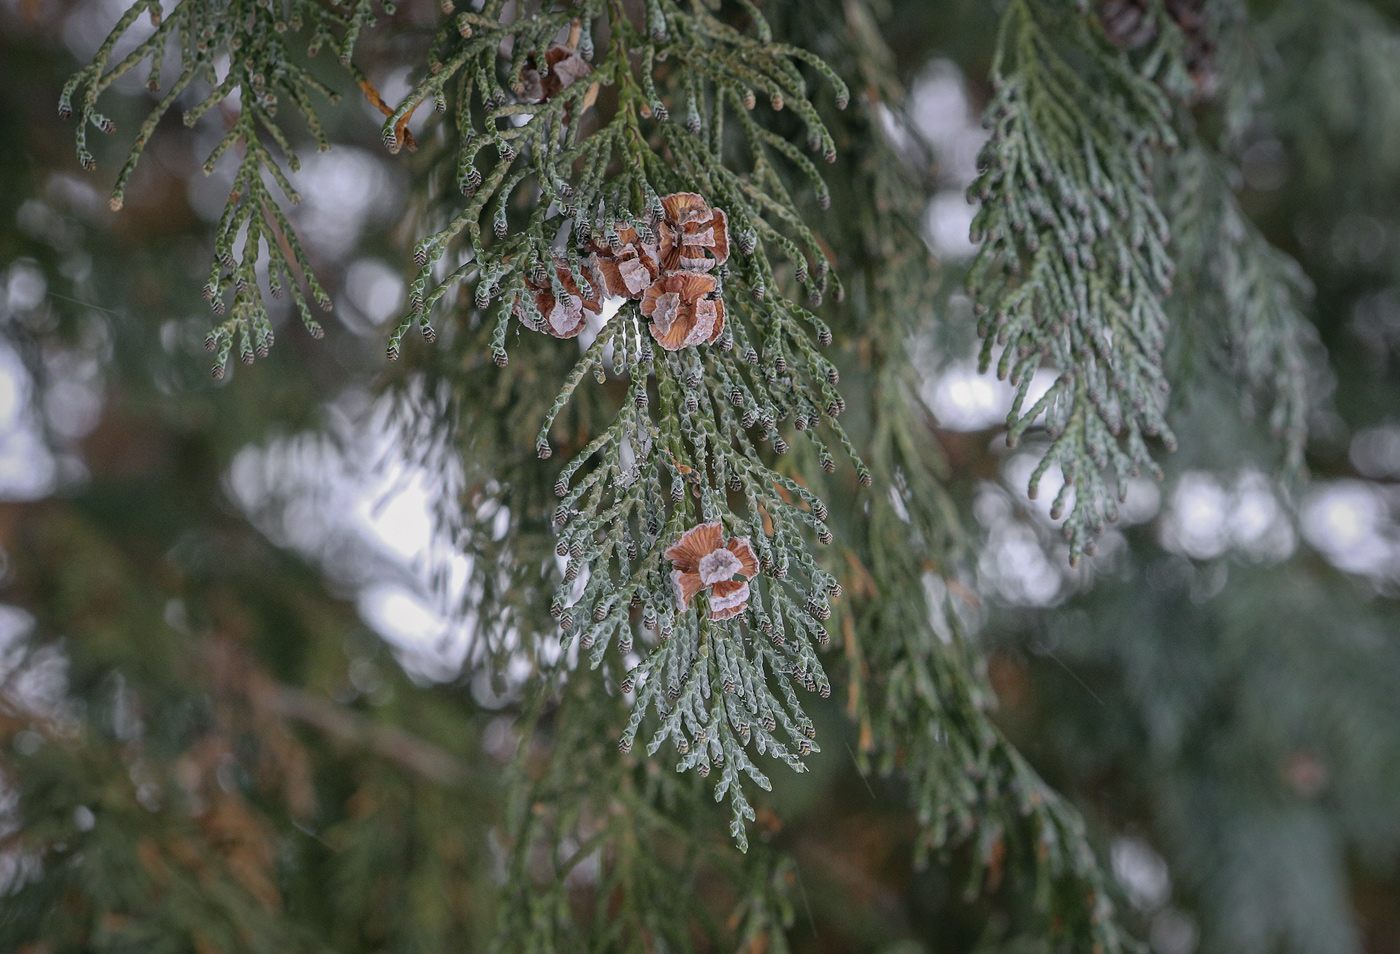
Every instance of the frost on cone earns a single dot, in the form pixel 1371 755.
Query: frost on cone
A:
pixel 703 559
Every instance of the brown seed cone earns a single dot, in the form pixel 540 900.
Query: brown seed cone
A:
pixel 565 68
pixel 564 317
pixel 694 236
pixel 628 270
pixel 682 310
pixel 1129 27
pixel 702 558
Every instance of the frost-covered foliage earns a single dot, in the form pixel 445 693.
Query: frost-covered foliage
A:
pixel 1075 261
pixel 642 170
pixel 247 55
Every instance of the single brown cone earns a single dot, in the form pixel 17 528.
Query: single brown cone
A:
pixel 703 559
pixel 694 236
pixel 628 270
pixel 564 317
pixel 684 310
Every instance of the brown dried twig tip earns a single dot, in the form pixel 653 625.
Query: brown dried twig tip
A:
pixel 403 139
pixel 703 559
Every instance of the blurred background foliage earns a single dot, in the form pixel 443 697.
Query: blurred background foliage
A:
pixel 238 715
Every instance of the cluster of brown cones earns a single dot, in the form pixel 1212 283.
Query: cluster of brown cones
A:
pixel 669 271
pixel 671 274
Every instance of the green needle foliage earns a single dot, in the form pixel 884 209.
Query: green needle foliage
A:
pixel 686 446
pixel 695 445
pixel 1258 292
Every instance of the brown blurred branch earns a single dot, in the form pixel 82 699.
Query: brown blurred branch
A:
pixel 418 756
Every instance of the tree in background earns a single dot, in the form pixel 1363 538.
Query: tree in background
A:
pixel 679 585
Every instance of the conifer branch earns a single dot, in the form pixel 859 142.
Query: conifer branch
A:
pixel 1258 293
pixel 645 838
pixel 619 196
pixel 1074 263
pixel 256 43
pixel 916 682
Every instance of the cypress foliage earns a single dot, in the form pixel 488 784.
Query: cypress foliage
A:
pixel 666 260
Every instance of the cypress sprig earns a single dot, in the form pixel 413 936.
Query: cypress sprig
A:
pixel 258 41
pixel 912 664
pixel 649 834
pixel 1260 295
pixel 1075 264
pixel 554 167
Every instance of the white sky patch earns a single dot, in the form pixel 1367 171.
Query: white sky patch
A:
pixel 27 468
pixel 1350 523
pixel 24 287
pixel 1015 563
pixel 74 397
pixel 374 290
pixel 1141 503
pixel 941 112
pixel 397 516
pixel 1142 873
pixel 1021 560
pixel 14 624
pixel 1025 560
pixel 13 384
pixel 594 325
pixel 355 504
pixel 1375 452
pixel 964 400
pixel 427 645
pixel 342 192
pixel 948 225
pixel 1258 523
pixel 1195 522
pixel 1206 518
